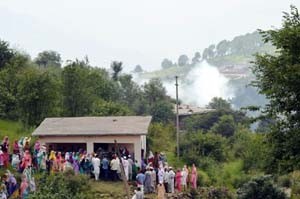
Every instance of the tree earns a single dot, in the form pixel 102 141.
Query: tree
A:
pixel 154 91
pixel 196 58
pixel 183 60
pixel 260 188
pixel 77 96
pixel 166 63
pixel 209 52
pixel 219 103
pixel 278 77
pixel 5 53
pixel 138 69
pixel 48 58
pixel 162 112
pixel 117 68
pixel 225 126
pixel 37 96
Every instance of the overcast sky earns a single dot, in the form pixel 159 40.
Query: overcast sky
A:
pixel 133 31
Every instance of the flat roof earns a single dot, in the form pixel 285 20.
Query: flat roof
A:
pixel 118 125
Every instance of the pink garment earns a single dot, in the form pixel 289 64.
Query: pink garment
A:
pixel 194 178
pixel 178 181
pixel 26 161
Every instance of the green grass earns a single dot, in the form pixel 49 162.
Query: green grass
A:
pixel 14 131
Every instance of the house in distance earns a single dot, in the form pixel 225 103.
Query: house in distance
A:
pixel 91 133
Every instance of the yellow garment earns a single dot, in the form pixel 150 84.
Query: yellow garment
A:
pixel 52 156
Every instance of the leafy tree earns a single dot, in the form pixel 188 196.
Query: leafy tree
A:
pixel 260 188
pixel 183 60
pixel 77 98
pixel 195 147
pixel 162 112
pixel 225 126
pixel 278 77
pixel 5 53
pixel 209 52
pixel 223 48
pixel 117 68
pixel 154 91
pixel 219 103
pixel 103 108
pixel 161 137
pixel 196 58
pixel 138 69
pixel 37 96
pixel 166 63
pixel 48 58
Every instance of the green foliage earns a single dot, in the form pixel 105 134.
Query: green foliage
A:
pixel 6 53
pixel 62 186
pixel 48 58
pixel 278 77
pixel 38 96
pixel 162 112
pixel 196 146
pixel 225 126
pixel 251 148
pixel 104 108
pixel 219 103
pixel 161 137
pixel 206 121
pixel 260 188
pixel 215 193
pixel 183 60
pixel 117 68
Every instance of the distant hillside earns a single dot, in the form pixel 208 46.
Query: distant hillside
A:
pixel 231 57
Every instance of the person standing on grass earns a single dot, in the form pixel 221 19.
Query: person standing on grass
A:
pixel 166 179
pixel 140 180
pixel 96 166
pixel 5 150
pixel 184 175
pixel 178 180
pixel 171 180
pixel 194 176
pixel 148 181
pixel 153 179
pixel 130 165
pixel 138 194
pixel 126 167
pixel 105 164
pixel 114 165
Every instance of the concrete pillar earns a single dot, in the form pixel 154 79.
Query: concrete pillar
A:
pixel 137 151
pixel 89 146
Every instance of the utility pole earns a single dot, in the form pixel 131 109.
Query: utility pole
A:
pixel 177 117
pixel 122 171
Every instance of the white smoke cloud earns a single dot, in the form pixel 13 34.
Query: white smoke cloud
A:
pixel 200 85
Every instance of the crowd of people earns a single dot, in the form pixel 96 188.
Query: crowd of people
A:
pixel 158 177
pixel 152 174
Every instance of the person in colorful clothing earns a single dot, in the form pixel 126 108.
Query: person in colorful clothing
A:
pixel 194 177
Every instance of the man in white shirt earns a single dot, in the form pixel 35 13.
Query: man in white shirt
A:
pixel 96 166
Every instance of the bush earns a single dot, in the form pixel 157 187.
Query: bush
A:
pixel 284 181
pixel 260 188
pixel 203 179
pixel 215 193
pixel 62 186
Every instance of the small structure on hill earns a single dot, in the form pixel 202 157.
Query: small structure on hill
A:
pixel 94 133
pixel 185 111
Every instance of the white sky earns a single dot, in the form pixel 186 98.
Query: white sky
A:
pixel 133 31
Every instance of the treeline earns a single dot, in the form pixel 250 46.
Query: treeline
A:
pixel 243 46
pixel 32 89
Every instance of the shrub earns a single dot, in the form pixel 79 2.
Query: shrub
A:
pixel 260 188
pixel 62 186
pixel 215 193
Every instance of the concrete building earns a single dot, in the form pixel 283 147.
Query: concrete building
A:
pixel 90 133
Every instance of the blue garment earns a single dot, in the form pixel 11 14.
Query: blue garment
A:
pixel 140 178
pixel 105 164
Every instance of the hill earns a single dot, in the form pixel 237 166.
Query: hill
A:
pixel 231 57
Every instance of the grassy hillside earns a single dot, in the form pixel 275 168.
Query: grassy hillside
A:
pixel 14 130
